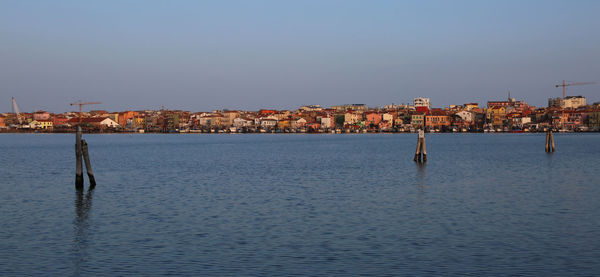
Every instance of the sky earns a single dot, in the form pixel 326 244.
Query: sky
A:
pixel 209 55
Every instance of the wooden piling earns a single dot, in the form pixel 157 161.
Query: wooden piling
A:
pixel 552 140
pixel 78 154
pixel 547 142
pixel 423 148
pixel 418 151
pixel 88 164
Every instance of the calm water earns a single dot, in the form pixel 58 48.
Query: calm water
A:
pixel 267 205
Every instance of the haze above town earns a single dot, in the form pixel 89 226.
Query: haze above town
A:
pixel 208 55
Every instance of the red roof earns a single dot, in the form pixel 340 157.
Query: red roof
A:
pixel 422 109
pixel 87 120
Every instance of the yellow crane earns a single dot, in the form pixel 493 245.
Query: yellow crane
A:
pixel 80 104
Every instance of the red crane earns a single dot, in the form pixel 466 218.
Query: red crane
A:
pixel 565 85
pixel 80 103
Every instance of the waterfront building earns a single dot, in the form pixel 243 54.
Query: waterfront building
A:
pixel 229 116
pixel 372 118
pixel 298 122
pixel 574 102
pixel 268 123
pixel 417 119
pixel 41 115
pixel 311 108
pixel 466 116
pixel 569 102
pixel 279 115
pixel 94 121
pixel 214 120
pixel 594 120
pixel 496 115
pixel 396 107
pixel 240 122
pixel 388 117
pixel 41 124
pixel 492 104
pixel 471 106
pixel 421 102
pixel 313 126
pixel 284 124
pixel 58 120
pixel 326 122
pixel 437 119
pixel 351 117
pixel 125 117
pixel 354 107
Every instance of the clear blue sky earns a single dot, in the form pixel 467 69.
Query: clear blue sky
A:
pixel 206 55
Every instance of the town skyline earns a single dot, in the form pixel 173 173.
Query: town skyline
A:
pixel 570 113
pixel 284 107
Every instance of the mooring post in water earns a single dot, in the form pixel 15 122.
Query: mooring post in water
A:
pixel 88 164
pixel 78 154
pixel 418 151
pixel 552 140
pixel 421 148
pixel 546 148
pixel 549 141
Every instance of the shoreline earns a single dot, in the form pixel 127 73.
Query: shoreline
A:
pixel 285 133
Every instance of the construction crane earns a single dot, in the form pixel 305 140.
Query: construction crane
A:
pixel 80 104
pixel 15 109
pixel 565 85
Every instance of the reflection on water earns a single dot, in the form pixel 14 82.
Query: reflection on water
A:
pixel 421 173
pixel 83 204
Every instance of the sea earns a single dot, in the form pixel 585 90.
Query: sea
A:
pixel 301 205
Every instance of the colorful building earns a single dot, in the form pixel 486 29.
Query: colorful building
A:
pixel 437 120
pixel 41 115
pixel 417 120
pixel 372 119
pixel 41 124
pixel 496 115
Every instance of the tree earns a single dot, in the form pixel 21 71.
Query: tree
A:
pixel 339 120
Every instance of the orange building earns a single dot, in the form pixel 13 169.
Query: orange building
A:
pixel 59 120
pixel 437 119
pixel 373 118
pixel 125 116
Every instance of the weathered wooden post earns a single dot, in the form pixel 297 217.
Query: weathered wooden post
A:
pixel 421 148
pixel 78 169
pixel 552 140
pixel 546 148
pixel 88 164
pixel 418 151
pixel 549 141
